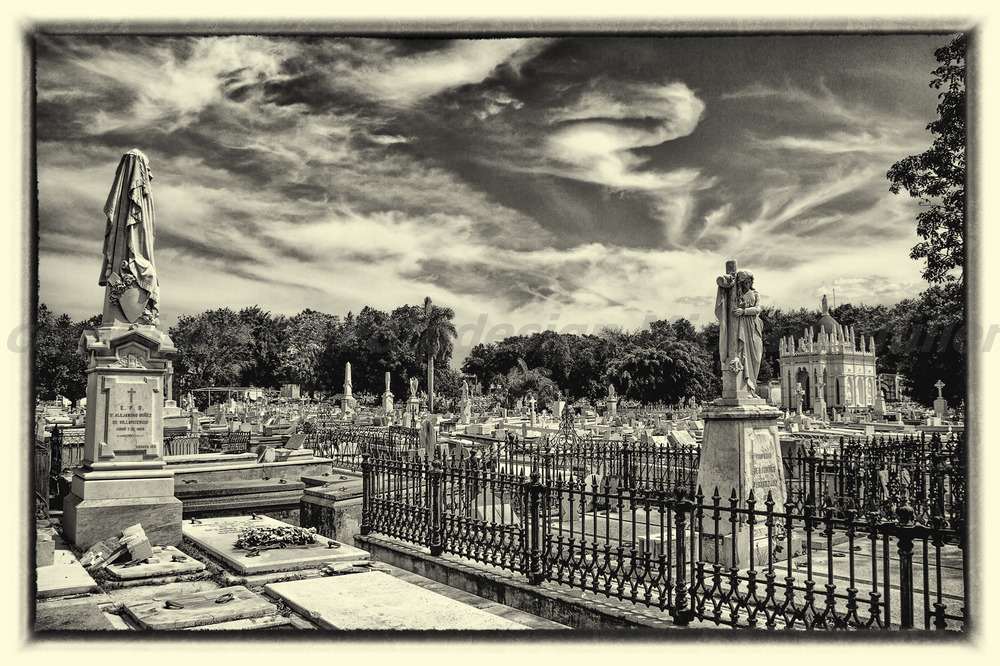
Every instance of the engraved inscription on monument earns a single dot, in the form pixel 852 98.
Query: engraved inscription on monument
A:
pixel 129 425
pixel 764 466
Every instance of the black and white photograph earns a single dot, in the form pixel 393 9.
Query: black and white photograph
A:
pixel 503 331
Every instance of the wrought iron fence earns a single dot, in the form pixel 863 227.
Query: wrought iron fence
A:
pixel 67 449
pixel 881 474
pixel 42 479
pixel 632 462
pixel 860 474
pixel 813 567
pixel 345 443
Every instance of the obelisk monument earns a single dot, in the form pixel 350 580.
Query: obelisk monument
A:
pixel 124 479
pixel 387 405
pixel 346 404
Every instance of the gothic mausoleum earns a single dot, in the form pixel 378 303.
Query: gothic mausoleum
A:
pixel 828 360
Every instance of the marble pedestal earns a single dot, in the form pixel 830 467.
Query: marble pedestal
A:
pixel 124 479
pixel 740 452
pixel 940 407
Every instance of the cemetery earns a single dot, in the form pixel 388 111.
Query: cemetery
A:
pixel 272 516
pixel 777 488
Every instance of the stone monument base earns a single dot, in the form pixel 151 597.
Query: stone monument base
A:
pixel 102 504
pixel 740 452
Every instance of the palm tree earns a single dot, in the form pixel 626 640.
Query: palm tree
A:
pixel 432 334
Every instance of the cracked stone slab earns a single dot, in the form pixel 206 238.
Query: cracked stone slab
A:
pixel 161 564
pixel 378 601
pixel 168 611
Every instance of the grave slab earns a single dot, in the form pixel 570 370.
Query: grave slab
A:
pixel 75 615
pixel 163 566
pixel 377 601
pixel 125 596
pixel 264 622
pixel 65 576
pixel 218 537
pixel 164 612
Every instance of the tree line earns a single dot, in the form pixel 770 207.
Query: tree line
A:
pixel 922 338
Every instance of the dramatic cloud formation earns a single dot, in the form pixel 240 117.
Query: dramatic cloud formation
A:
pixel 559 183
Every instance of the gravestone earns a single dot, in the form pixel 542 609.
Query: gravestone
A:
pixel 940 404
pixel 124 480
pixel 218 536
pixel 681 438
pixel 880 404
pixel 376 601
pixel 465 405
pixel 612 404
pixel 740 449
pixel 165 612
pixel 428 436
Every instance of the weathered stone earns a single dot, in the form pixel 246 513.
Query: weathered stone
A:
pixel 44 550
pixel 218 537
pixel 378 601
pixel 64 577
pixel 74 615
pixel 91 521
pixel 163 612
pixel 741 452
pixel 165 561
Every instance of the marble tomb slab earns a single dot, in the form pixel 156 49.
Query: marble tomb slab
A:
pixel 218 537
pixel 263 622
pixel 66 576
pixel 165 611
pixel 163 566
pixel 75 615
pixel 376 601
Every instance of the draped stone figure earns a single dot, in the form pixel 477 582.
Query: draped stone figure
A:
pixel 128 270
pixel 741 346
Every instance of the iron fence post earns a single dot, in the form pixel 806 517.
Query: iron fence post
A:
pixel 366 495
pixel 436 535
pixel 534 489
pixel 683 611
pixel 905 531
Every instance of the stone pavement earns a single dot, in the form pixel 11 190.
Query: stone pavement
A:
pixel 320 596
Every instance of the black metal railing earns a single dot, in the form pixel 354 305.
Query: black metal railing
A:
pixel 863 474
pixel 67 449
pixel 43 479
pixel 809 567
pixel 881 474
pixel 346 443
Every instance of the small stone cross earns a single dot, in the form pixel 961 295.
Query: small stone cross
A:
pixel 939 385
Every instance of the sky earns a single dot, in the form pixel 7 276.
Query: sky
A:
pixel 529 183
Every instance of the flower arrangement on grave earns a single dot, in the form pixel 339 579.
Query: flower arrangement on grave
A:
pixel 275 537
pixel 735 366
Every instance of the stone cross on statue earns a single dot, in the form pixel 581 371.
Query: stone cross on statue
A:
pixel 939 385
pixel 737 307
pixel 727 333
